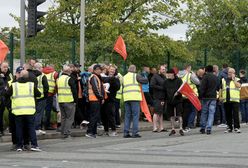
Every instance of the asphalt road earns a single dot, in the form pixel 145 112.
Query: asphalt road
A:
pixel 193 150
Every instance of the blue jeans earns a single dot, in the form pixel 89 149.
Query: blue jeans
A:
pixel 191 117
pixel 132 111
pixel 27 120
pixel 244 110
pixel 40 108
pixel 207 114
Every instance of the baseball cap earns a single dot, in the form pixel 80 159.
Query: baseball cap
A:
pixel 19 69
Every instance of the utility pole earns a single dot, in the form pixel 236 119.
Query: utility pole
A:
pixel 22 26
pixel 82 34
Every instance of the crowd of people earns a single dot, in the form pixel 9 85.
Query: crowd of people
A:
pixel 93 98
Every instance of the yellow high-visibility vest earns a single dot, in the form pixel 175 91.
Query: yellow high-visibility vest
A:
pixel 186 78
pixel 131 88
pixel 11 79
pixel 40 85
pixel 23 102
pixel 51 82
pixel 234 91
pixel 64 90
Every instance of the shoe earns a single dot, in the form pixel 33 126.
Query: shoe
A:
pixel 237 130
pixel 163 130
pixel 19 150
pixel 202 131
pixel 136 136
pixel 155 130
pixel 40 132
pixel 26 148
pixel 66 136
pixel 208 132
pixel 118 126
pixel 85 122
pixel 113 134
pixel 173 132
pixel 181 132
pixel 35 149
pixel 100 127
pixel 90 135
pixel 228 131
pixel 222 126
pixel 186 130
pixel 127 136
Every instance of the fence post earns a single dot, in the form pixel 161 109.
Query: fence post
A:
pixel 11 53
pixel 73 50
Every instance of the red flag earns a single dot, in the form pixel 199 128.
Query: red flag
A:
pixel 120 47
pixel 144 107
pixel 186 90
pixel 3 51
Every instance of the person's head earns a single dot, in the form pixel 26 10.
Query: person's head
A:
pixel 97 69
pixel 27 66
pixel 188 68
pixel 73 68
pixel 242 73
pixel 146 69
pixel 209 69
pixel 18 72
pixel 231 73
pixel 24 74
pixel 77 67
pixel 216 69
pixel 170 74
pixel 111 70
pixel 200 72
pixel 153 70
pixel 31 62
pixel 132 68
pixel 90 69
pixel 38 66
pixel 162 70
pixel 224 66
pixel 104 69
pixel 4 67
pixel 67 69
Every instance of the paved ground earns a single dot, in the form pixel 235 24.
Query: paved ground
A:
pixel 218 150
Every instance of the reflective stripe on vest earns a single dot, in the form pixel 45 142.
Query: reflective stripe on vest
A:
pixel 64 90
pixel 131 88
pixel 40 85
pixel 186 78
pixel 23 102
pixel 11 79
pixel 92 96
pixel 51 82
pixel 234 92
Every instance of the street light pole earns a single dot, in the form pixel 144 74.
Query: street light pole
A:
pixel 22 26
pixel 82 33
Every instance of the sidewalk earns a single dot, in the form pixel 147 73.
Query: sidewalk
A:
pixel 76 132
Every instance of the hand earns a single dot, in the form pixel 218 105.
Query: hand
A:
pixel 1 75
pixel 162 103
pixel 176 94
pixel 103 101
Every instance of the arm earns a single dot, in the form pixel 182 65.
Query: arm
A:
pixel 194 79
pixel 36 92
pixel 141 79
pixel 203 87
pixel 154 84
pixel 73 86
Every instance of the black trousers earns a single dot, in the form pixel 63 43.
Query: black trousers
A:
pixel 186 112
pixel 232 114
pixel 78 118
pixel 117 114
pixel 108 116
pixel 95 108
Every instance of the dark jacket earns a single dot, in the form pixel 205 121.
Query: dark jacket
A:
pixel 94 83
pixel 32 77
pixel 44 82
pixel 170 88
pixel 114 87
pixel 157 83
pixel 243 80
pixel 209 86
pixel 23 80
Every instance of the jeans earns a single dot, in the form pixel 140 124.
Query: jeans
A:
pixel 132 111
pixel 191 118
pixel 244 110
pixel 29 121
pixel 49 106
pixel 40 108
pixel 207 114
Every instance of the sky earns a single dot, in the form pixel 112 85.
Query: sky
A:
pixel 176 32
